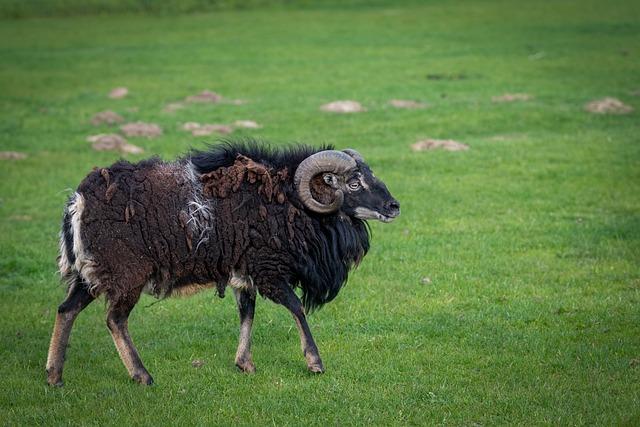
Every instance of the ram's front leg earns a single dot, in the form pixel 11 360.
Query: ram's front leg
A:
pixel 290 300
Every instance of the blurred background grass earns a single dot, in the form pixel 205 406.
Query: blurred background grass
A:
pixel 48 8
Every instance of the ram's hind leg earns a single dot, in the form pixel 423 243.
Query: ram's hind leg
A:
pixel 246 300
pixel 78 298
pixel 117 322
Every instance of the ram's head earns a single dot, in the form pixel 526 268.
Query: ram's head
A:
pixel 331 181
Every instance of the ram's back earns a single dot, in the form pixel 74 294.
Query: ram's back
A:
pixel 137 226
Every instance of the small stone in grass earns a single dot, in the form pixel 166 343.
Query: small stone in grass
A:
pixel 12 155
pixel 106 118
pixel 425 280
pixel 149 130
pixel 435 144
pixel 197 363
pixel 118 93
pixel 343 107
pixel 608 105
pixel 406 103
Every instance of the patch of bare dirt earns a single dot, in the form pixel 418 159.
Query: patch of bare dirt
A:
pixel 537 55
pixel 118 93
pixel 436 144
pixel 148 130
pixel 113 142
pixel 407 103
pixel 191 126
pixel 449 76
pixel 608 105
pixel 21 217
pixel 247 124
pixel 173 107
pixel 106 118
pixel 343 107
pixel 206 129
pixel 12 155
pixel 512 97
pixel 205 96
pixel 634 92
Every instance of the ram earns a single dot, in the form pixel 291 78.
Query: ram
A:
pixel 243 215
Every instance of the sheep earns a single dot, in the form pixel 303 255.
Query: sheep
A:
pixel 239 215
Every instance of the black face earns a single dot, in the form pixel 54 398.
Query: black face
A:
pixel 365 196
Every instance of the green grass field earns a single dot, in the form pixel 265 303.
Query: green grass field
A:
pixel 508 291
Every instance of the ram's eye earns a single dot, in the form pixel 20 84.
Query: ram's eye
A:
pixel 354 185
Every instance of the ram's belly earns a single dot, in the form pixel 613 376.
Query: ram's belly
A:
pixel 237 281
pixel 152 288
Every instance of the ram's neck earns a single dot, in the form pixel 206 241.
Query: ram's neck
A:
pixel 339 245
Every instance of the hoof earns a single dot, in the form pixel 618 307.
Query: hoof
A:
pixel 316 368
pixel 53 379
pixel 144 379
pixel 314 363
pixel 246 366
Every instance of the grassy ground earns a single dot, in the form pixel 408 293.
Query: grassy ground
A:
pixel 506 293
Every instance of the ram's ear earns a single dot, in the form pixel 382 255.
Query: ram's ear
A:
pixel 331 180
pixel 354 154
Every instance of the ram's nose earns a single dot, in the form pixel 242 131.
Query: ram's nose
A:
pixel 393 208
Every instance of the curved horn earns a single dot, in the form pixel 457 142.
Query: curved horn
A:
pixel 325 161
pixel 353 153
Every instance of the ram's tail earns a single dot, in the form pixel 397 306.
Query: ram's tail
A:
pixel 67 258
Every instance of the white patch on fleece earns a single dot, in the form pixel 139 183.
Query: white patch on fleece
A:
pixel 238 281
pixel 64 267
pixel 151 288
pixel 200 216
pixel 84 264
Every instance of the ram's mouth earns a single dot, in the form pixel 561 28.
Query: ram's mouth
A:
pixel 385 218
pixel 367 214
